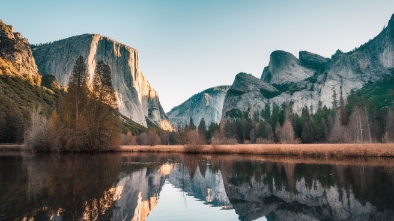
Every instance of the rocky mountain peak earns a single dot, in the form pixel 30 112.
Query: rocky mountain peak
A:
pixel 247 94
pixel 244 83
pixel 312 79
pixel 6 31
pixel 391 21
pixel 207 104
pixel 16 49
pixel 280 58
pixel 313 61
pixel 285 68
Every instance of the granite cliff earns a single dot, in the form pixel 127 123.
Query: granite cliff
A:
pixel 136 98
pixel 16 49
pixel 21 86
pixel 247 94
pixel 311 78
pixel 207 104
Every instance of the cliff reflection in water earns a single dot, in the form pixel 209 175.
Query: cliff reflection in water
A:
pixel 128 186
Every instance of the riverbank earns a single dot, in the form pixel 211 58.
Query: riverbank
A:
pixel 315 150
pixel 310 150
pixel 13 147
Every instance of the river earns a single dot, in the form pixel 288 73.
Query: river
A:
pixel 156 187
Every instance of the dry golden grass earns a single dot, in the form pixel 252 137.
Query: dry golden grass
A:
pixel 321 151
pixel 13 147
pixel 314 150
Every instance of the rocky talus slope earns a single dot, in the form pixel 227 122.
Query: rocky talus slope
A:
pixel 136 98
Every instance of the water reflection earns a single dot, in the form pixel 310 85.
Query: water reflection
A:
pixel 129 187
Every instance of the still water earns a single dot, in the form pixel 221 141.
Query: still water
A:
pixel 193 187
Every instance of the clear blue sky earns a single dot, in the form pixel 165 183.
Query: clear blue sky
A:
pixel 187 46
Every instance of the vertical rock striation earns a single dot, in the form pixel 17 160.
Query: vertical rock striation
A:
pixel 136 99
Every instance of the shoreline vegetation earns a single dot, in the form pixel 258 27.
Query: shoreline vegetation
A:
pixel 310 150
pixel 307 150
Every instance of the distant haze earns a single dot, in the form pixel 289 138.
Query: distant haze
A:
pixel 188 46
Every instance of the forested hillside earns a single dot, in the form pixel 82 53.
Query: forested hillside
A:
pixel 18 96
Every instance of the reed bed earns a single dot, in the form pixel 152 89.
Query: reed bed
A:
pixel 314 150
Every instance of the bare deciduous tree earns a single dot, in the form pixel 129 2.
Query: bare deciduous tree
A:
pixel 339 132
pixel 359 129
pixel 287 131
pixel 153 138
pixel 142 138
pixel 38 136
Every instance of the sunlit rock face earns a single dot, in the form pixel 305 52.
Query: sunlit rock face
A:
pixel 312 78
pixel 140 194
pixel 207 104
pixel 15 48
pixel 288 191
pixel 136 98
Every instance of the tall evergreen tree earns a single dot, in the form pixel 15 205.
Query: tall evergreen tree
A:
pixel 202 129
pixel 86 119
pixel 191 124
pixel 389 129
pixel 77 87
pixel 213 127
pixel 72 126
pixel 103 121
pixel 266 113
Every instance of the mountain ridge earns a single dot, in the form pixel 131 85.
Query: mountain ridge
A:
pixel 312 79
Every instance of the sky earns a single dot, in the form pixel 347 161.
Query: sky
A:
pixel 188 46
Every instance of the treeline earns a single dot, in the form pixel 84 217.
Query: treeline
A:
pixel 367 116
pixel 188 135
pixel 85 119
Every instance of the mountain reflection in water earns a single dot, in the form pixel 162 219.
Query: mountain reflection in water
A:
pixel 129 187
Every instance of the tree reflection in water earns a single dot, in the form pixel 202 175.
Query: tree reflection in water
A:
pixel 127 186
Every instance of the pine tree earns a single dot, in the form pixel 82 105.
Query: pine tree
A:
pixel 71 131
pixel 202 129
pixel 267 111
pixel 389 129
pixel 213 127
pixel 77 87
pixel 191 124
pixel 104 122
pixel 287 132
pixel 334 99
pixel 3 126
pixel 86 119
